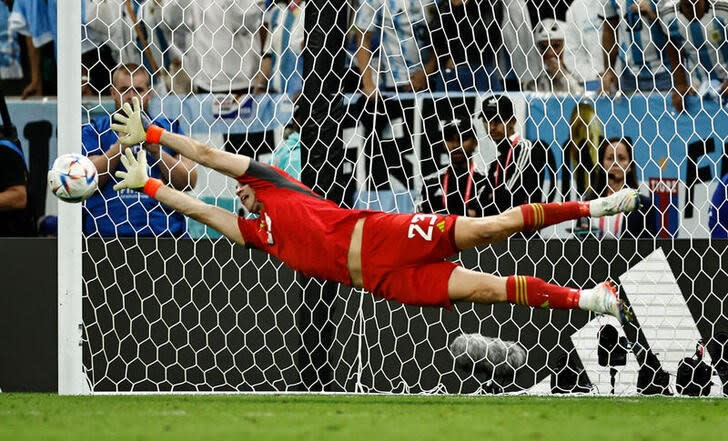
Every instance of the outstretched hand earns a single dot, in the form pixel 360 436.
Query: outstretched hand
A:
pixel 134 123
pixel 135 175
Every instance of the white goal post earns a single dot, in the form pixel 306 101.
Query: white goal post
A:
pixel 71 377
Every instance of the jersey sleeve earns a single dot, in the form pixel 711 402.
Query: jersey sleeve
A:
pixel 721 8
pixel 90 140
pixel 12 166
pixel 249 231
pixel 30 18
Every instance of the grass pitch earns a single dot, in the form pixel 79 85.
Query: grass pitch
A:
pixel 317 417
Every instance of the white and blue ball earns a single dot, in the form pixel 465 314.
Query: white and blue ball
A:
pixel 73 178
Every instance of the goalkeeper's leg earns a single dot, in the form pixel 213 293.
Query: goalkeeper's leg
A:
pixel 471 286
pixel 475 232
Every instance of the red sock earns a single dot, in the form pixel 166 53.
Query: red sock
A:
pixel 532 291
pixel 537 216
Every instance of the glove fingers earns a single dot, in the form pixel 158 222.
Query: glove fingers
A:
pixel 137 107
pixel 125 161
pixel 119 186
pixel 119 128
pixel 127 109
pixel 142 158
pixel 130 157
pixel 120 174
pixel 121 118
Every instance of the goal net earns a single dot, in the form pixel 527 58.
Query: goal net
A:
pixel 379 104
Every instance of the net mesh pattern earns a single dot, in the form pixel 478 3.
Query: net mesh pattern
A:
pixel 373 103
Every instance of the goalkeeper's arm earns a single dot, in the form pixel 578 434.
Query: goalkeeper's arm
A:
pixel 137 128
pixel 135 178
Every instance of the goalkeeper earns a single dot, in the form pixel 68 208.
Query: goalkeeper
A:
pixel 396 256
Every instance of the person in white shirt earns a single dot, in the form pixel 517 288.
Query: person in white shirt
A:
pixel 583 52
pixel 221 41
pixel 555 76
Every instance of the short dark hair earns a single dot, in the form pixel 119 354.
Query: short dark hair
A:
pixel 497 106
pixel 460 127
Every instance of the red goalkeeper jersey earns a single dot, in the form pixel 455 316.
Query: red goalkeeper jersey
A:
pixel 304 230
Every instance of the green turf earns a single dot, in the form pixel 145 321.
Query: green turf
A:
pixel 268 417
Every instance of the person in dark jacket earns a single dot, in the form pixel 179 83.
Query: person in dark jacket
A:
pixel 16 216
pixel 457 188
pixel 514 176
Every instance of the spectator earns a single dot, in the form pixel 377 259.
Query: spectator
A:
pixel 105 26
pixel 697 31
pixel 583 52
pixel 457 188
pixel 518 60
pixel 618 171
pixel 132 213
pixel 633 26
pixel 16 218
pixel 514 174
pixel 133 29
pixel 32 20
pixel 466 37
pixel 403 55
pixel 222 42
pixel 282 61
pixel 718 211
pixel 10 70
pixel 554 77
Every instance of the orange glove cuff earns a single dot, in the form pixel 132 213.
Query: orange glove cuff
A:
pixel 154 134
pixel 151 186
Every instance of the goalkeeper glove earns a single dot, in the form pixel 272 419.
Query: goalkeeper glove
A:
pixel 134 125
pixel 135 176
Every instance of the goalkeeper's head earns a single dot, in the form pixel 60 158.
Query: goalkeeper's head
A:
pixel 247 197
pixel 129 81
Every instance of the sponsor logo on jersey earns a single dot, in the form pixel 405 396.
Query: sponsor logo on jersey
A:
pixel 715 34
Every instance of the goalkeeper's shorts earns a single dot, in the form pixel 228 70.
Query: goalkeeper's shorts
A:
pixel 403 257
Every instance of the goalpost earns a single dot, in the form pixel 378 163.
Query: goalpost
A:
pixel 194 313
pixel 71 378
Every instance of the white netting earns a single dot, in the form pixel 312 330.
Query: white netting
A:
pixel 171 306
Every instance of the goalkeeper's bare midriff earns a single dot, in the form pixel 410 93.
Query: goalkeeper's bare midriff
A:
pixel 353 262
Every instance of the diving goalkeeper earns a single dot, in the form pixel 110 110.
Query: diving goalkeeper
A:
pixel 396 256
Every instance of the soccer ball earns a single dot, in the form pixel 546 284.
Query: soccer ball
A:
pixel 73 178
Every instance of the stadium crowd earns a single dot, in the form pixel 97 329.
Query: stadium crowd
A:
pixel 440 45
pixel 394 46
